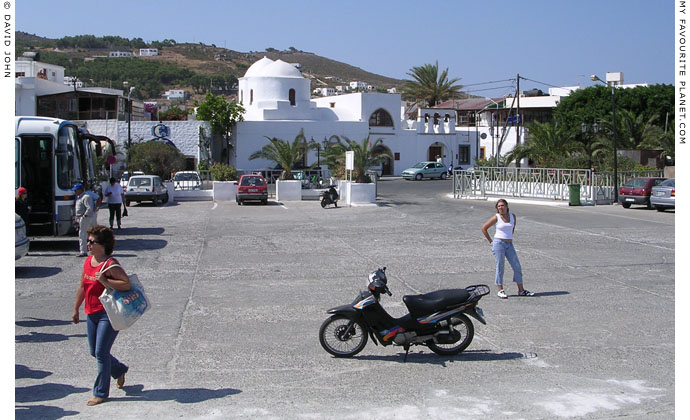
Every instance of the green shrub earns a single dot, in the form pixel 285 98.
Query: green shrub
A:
pixel 155 158
pixel 223 172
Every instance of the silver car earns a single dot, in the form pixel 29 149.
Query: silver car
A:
pixel 21 242
pixel 664 195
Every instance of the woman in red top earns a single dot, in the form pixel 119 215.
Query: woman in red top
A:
pixel 100 333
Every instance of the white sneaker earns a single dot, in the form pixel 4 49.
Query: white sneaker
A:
pixel 502 294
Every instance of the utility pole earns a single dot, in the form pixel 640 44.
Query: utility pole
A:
pixel 517 142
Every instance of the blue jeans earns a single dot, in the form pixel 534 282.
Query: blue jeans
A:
pixel 101 337
pixel 502 249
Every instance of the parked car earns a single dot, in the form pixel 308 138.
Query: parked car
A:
pixel 426 170
pixel 187 181
pixel 251 187
pixel 664 195
pixel 125 178
pixel 146 188
pixel 638 191
pixel 21 242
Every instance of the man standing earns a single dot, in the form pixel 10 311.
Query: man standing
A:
pixel 84 215
pixel 116 197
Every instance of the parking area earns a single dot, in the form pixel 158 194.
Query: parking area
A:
pixel 239 293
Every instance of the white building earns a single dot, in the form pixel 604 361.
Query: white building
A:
pixel 148 52
pixel 73 82
pixel 179 94
pixel 119 53
pixel 276 98
pixel 327 91
pixel 358 85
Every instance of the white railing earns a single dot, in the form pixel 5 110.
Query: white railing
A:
pixel 544 183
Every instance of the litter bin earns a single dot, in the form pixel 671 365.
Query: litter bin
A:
pixel 574 192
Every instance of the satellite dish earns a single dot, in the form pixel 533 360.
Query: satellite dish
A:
pixel 483 136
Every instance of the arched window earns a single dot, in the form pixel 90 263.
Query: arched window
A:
pixel 446 118
pixel 241 97
pixel 251 96
pixel 291 95
pixel 380 118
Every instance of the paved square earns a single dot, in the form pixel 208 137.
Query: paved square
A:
pixel 239 293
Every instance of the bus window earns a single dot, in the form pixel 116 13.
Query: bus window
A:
pixel 67 167
pixel 17 160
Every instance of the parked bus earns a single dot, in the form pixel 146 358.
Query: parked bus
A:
pixel 51 155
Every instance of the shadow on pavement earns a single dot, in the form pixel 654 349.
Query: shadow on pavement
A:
pixel 35 337
pixel 435 359
pixel 139 231
pixel 139 244
pixel 45 392
pixel 23 272
pixel 181 395
pixel 25 372
pixel 47 412
pixel 38 322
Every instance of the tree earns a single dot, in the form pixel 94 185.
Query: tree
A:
pixel 365 155
pixel 428 87
pixel 283 153
pixel 222 115
pixel 548 144
pixel 155 158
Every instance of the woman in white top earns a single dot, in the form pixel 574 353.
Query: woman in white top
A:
pixel 502 247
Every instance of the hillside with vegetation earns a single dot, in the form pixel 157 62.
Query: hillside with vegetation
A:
pixel 197 68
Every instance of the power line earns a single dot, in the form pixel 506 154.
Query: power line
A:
pixel 536 81
pixel 486 83
pixel 500 87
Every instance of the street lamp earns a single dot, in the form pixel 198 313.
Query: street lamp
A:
pixel 596 78
pixel 129 112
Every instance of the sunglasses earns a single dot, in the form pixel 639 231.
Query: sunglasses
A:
pixel 91 242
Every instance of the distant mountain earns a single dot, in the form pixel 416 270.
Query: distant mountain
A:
pixel 207 60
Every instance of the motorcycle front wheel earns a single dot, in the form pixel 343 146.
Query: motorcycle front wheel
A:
pixel 342 337
pixel 461 337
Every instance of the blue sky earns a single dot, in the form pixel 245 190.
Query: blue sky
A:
pixel 554 42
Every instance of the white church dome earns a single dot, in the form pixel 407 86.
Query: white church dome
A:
pixel 256 69
pixel 280 68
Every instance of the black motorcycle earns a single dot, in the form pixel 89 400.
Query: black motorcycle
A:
pixel 329 197
pixel 437 320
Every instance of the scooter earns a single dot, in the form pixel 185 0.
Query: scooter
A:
pixel 329 197
pixel 438 320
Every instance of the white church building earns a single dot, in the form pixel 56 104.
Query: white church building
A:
pixel 277 101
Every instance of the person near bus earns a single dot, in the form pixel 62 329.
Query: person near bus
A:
pixel 21 205
pixel 116 197
pixel 84 215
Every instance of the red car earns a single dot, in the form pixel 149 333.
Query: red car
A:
pixel 638 191
pixel 252 187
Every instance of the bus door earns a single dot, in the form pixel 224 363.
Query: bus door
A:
pixel 35 170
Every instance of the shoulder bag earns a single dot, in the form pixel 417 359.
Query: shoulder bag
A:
pixel 124 308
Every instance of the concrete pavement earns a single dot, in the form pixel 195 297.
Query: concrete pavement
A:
pixel 239 293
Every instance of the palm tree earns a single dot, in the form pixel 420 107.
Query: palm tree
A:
pixel 428 87
pixel 283 153
pixel 365 155
pixel 547 144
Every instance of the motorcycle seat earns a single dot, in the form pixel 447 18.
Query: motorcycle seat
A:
pixel 435 301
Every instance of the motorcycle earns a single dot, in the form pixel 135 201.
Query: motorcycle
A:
pixel 438 320
pixel 329 197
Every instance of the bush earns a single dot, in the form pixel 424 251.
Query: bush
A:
pixel 223 172
pixel 155 158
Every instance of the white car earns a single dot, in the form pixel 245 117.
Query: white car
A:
pixel 21 242
pixel 146 188
pixel 125 178
pixel 187 180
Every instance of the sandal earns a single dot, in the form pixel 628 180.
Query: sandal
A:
pixel 121 381
pixel 502 294
pixel 526 293
pixel 96 400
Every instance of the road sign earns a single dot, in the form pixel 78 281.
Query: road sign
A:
pixel 110 160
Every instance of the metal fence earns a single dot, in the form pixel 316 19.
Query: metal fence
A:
pixel 544 183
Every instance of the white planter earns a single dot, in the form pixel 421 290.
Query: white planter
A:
pixel 363 193
pixel 288 190
pixel 224 190
pixel 359 193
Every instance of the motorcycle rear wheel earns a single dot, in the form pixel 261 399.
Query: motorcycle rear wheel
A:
pixel 466 330
pixel 342 337
pixel 323 204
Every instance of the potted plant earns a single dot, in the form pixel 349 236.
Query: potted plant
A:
pixel 285 154
pixel 224 181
